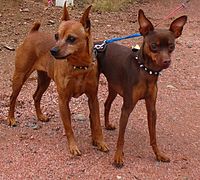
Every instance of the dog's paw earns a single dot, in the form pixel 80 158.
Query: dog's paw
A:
pixel 74 150
pixel 162 158
pixel 118 160
pixel 110 127
pixel 43 118
pixel 102 146
pixel 12 122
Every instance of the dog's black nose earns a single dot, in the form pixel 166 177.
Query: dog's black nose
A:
pixel 167 62
pixel 54 51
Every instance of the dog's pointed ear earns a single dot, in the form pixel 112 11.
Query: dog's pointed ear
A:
pixel 85 20
pixel 65 16
pixel 145 25
pixel 177 26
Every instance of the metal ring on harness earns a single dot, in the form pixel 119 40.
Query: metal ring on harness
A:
pixel 100 47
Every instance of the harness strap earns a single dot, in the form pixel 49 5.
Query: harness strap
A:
pixel 122 38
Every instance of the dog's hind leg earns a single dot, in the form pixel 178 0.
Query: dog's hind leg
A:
pixel 111 96
pixel 18 80
pixel 43 83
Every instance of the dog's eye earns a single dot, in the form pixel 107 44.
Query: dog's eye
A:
pixel 154 47
pixel 71 39
pixel 171 47
pixel 56 36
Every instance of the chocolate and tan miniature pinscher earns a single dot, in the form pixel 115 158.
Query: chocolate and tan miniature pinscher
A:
pixel 68 60
pixel 134 76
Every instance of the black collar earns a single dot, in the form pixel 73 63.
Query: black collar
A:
pixel 142 66
pixel 80 67
pixel 85 67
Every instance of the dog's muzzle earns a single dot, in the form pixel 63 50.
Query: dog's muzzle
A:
pixel 54 51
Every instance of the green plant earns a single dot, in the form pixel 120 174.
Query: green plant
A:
pixel 107 5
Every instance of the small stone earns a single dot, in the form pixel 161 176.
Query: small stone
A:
pixel 185 178
pixel 9 47
pixel 189 45
pixel 79 117
pixel 119 177
pixel 24 10
pixel 51 22
pixel 171 86
pixel 33 125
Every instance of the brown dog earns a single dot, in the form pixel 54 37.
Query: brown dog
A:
pixel 134 75
pixel 73 69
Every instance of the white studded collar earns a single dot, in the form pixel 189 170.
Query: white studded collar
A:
pixel 149 71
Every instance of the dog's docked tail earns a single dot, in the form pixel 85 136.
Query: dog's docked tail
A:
pixel 35 27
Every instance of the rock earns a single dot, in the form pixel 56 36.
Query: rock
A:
pixel 33 125
pixel 171 86
pixel 189 45
pixel 9 47
pixel 51 22
pixel 24 10
pixel 79 117
pixel 119 177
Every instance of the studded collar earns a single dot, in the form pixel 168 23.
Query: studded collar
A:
pixel 149 71
pixel 85 67
pixel 141 65
pixel 80 67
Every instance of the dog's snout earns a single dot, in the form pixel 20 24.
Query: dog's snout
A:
pixel 167 61
pixel 54 51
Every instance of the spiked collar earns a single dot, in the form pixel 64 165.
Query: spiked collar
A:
pixel 85 67
pixel 142 66
pixel 80 67
pixel 149 71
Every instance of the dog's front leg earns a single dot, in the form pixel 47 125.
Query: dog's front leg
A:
pixel 66 118
pixel 125 113
pixel 151 115
pixel 95 124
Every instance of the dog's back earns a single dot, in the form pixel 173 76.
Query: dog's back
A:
pixel 116 62
pixel 36 42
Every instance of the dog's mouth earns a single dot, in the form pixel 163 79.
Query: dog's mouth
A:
pixel 165 66
pixel 55 52
pixel 61 57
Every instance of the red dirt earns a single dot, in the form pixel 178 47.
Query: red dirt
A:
pixel 35 150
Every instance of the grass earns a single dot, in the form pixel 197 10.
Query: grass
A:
pixel 107 5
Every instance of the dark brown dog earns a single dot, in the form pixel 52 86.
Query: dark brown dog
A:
pixel 134 75
pixel 73 69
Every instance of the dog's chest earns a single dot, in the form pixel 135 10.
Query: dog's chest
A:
pixel 144 88
pixel 78 85
pixel 85 83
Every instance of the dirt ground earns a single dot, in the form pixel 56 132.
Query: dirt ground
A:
pixel 35 150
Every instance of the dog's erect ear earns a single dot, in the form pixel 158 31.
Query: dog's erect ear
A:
pixel 65 16
pixel 145 24
pixel 177 26
pixel 85 20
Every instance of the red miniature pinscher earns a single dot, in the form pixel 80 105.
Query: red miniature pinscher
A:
pixel 134 76
pixel 67 59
